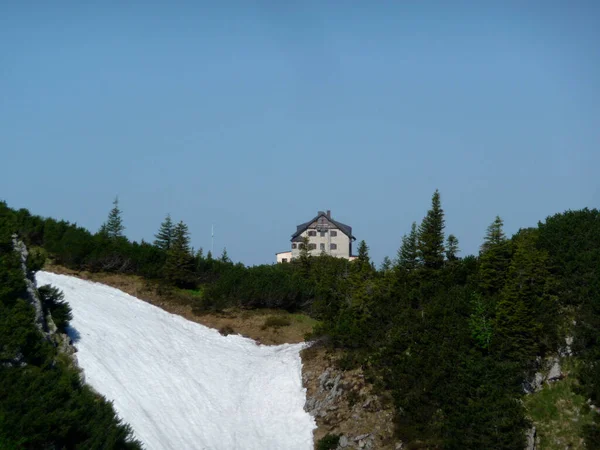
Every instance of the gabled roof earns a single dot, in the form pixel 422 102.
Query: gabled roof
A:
pixel 346 229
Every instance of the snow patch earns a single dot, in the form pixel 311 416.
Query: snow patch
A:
pixel 181 385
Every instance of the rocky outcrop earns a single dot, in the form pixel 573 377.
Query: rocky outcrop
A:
pixel 344 403
pixel 43 322
pixel 549 371
pixel 531 436
pixel 32 294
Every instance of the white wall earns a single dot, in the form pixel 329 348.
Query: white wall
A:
pixel 342 241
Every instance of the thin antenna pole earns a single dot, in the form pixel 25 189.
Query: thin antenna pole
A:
pixel 212 240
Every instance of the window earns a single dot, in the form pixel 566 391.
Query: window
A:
pixel 322 246
pixel 333 233
pixel 312 246
pixel 300 246
pixel 283 260
pixel 333 246
pixel 322 233
pixel 312 233
pixel 294 245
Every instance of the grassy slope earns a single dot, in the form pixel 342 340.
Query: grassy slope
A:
pixel 559 413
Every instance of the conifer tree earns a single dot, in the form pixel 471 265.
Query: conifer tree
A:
pixel 431 235
pixel 224 256
pixel 179 265
pixel 452 248
pixel 408 252
pixel 386 265
pixel 113 227
pixel 363 252
pixel 165 234
pixel 526 311
pixel 495 258
pixel 494 235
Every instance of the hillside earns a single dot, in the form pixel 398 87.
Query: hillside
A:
pixel 182 385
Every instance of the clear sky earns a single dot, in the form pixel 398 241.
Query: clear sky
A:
pixel 254 115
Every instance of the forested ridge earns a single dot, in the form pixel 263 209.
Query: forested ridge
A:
pixel 453 339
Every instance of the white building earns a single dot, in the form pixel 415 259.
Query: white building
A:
pixel 325 235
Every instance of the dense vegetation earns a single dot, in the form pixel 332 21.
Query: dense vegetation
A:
pixel 43 403
pixel 452 339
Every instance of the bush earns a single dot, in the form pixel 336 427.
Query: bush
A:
pixel 226 330
pixel 329 442
pixel 276 322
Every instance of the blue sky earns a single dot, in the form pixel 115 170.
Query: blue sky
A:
pixel 255 115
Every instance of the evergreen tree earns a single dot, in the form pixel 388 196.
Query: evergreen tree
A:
pixel 165 234
pixel 494 235
pixel 431 235
pixel 363 253
pixel 408 257
pixel 224 256
pixel 179 265
pixel 527 312
pixel 452 248
pixel 386 265
pixel 113 228
pixel 495 257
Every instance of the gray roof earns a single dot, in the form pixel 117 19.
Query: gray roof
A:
pixel 346 229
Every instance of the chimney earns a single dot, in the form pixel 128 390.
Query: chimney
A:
pixel 329 214
pixel 320 212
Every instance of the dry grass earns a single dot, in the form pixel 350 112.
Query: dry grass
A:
pixel 249 323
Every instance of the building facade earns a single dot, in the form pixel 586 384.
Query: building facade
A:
pixel 324 235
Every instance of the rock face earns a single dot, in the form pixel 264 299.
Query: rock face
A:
pixel 343 403
pixel 32 294
pixel 531 438
pixel 44 323
pixel 549 372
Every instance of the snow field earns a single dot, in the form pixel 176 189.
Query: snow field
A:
pixel 181 385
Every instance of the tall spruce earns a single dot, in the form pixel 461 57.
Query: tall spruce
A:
pixel 431 235
pixel 113 228
pixel 165 234
pixel 224 256
pixel 408 254
pixel 494 235
pixel 363 252
pixel 526 314
pixel 495 257
pixel 452 248
pixel 179 266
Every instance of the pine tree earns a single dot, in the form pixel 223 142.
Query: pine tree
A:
pixel 495 258
pixel 452 248
pixel 494 235
pixel 386 265
pixel 363 253
pixel 224 256
pixel 526 313
pixel 408 253
pixel 165 234
pixel 179 265
pixel 431 235
pixel 113 227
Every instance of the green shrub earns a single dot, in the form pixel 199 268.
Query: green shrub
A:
pixel 329 442
pixel 276 322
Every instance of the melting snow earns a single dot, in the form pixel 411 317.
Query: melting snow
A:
pixel 181 385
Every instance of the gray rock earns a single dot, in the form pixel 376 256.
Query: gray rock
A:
pixel 343 442
pixel 555 372
pixel 530 435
